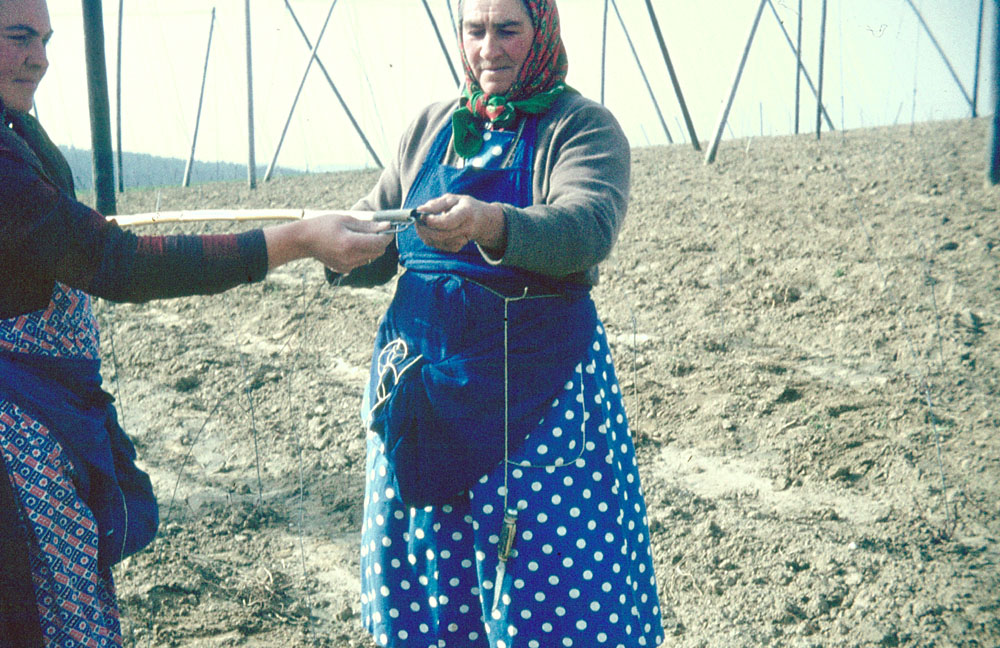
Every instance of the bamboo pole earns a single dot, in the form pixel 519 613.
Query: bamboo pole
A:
pixel 201 97
pixel 822 49
pixel 298 93
pixel 100 111
pixel 231 215
pixel 444 49
pixel 251 161
pixel 333 86
pixel 673 76
pixel 118 100
pixel 944 57
pixel 638 62
pixel 724 117
pixel 798 57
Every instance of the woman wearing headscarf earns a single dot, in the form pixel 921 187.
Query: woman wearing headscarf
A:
pixel 72 501
pixel 503 505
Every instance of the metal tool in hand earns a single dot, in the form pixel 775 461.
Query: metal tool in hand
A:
pixel 399 218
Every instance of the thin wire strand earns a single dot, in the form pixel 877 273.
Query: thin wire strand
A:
pixel 253 429
pixel 924 379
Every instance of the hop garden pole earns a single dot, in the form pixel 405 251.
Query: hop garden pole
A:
pixel 993 174
pixel 333 86
pixel 201 96
pixel 118 100
pixel 251 162
pixel 604 49
pixel 673 76
pixel 798 57
pixel 975 73
pixel 940 51
pixel 298 93
pixel 638 62
pixel 444 49
pixel 798 64
pixel 819 91
pixel 100 111
pixel 724 117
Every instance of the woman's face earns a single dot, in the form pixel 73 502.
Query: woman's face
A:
pixel 24 31
pixel 496 38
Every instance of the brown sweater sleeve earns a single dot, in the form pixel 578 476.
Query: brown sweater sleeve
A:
pixel 580 186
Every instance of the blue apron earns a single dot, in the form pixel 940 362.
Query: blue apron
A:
pixel 65 395
pixel 469 355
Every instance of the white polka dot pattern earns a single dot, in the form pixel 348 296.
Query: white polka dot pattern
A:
pixel 581 571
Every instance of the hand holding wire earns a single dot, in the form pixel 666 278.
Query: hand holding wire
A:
pixel 453 221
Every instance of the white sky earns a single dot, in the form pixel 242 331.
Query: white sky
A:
pixel 880 68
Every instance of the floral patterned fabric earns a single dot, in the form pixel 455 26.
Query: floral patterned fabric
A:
pixel 76 601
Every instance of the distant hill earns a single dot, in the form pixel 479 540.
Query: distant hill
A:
pixel 144 170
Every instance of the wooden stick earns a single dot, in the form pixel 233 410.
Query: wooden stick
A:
pixel 234 215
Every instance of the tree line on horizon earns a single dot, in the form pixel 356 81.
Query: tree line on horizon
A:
pixel 142 170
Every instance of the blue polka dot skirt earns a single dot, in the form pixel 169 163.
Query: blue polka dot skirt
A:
pixel 580 571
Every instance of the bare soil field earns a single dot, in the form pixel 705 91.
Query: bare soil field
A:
pixel 808 338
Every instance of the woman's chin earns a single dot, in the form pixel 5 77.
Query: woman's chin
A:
pixel 494 87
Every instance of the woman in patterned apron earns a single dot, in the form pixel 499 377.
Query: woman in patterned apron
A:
pixel 72 502
pixel 503 506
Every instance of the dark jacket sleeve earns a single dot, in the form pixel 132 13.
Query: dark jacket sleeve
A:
pixel 47 236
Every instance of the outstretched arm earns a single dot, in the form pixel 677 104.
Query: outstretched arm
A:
pixel 47 236
pixel 338 242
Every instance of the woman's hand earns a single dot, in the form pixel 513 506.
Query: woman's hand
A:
pixel 454 220
pixel 339 242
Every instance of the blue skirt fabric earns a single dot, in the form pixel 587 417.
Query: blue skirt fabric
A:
pixel 580 572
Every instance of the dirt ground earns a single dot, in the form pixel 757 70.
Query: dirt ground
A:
pixel 808 338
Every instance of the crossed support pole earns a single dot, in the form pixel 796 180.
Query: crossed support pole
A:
pixel 673 76
pixel 642 71
pixel 944 57
pixel 821 112
pixel 314 47
pixel 333 86
pixel 298 93
pixel 186 181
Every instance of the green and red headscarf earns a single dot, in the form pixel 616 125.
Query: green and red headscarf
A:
pixel 539 82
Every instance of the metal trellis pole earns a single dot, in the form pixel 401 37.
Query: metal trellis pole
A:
pixel 201 96
pixel 724 117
